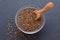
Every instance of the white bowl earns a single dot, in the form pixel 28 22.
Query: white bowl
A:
pixel 43 23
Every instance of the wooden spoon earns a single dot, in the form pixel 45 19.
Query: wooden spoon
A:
pixel 39 13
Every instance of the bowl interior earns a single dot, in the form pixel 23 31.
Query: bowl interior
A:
pixel 43 22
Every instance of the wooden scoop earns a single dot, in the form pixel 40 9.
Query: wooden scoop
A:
pixel 39 13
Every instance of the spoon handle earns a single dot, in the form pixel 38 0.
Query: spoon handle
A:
pixel 47 7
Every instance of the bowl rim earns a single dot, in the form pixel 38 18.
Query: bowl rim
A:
pixel 43 23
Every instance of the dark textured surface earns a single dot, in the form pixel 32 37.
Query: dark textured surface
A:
pixel 51 30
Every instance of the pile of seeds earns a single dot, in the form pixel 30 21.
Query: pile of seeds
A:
pixel 26 20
